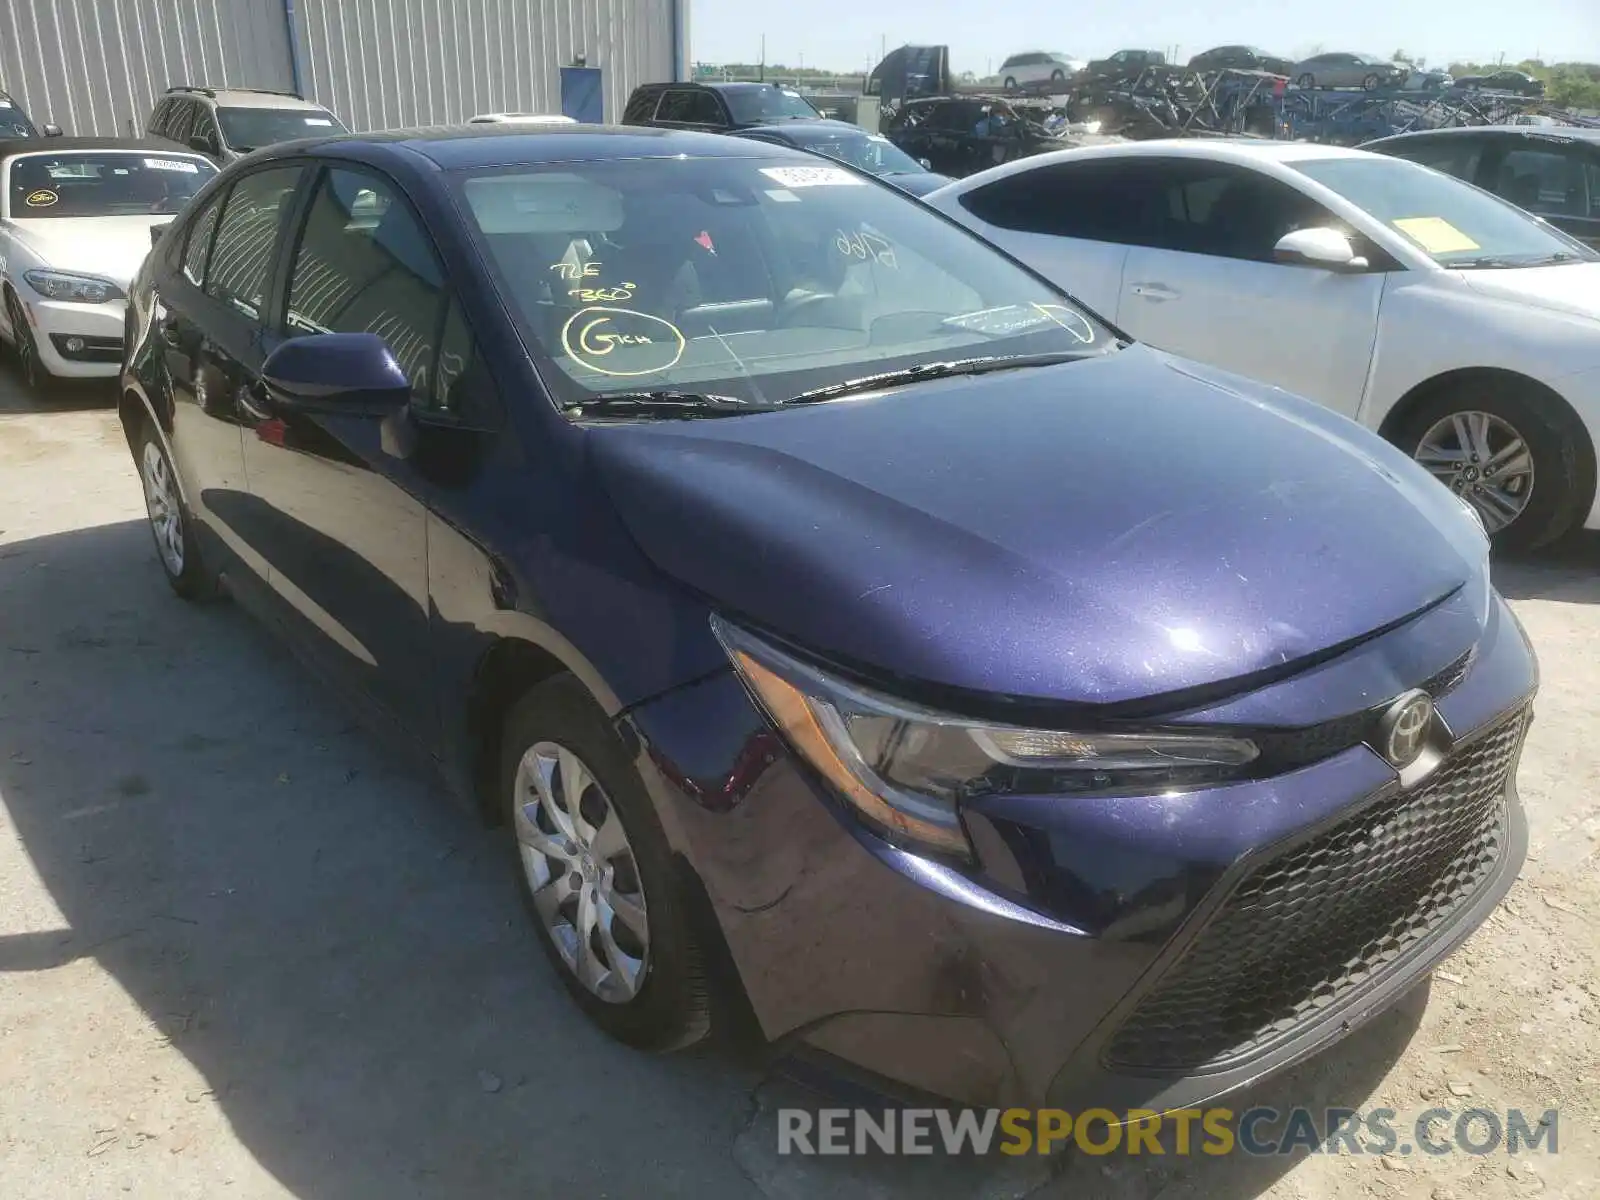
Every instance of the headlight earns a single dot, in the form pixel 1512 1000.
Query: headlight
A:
pixel 906 769
pixel 64 285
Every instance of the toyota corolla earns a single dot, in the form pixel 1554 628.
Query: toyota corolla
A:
pixel 845 627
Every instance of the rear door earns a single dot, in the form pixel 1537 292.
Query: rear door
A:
pixel 209 327
pixel 1203 282
pixel 1069 221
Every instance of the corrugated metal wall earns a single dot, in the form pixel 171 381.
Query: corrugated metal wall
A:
pixel 386 63
pixel 91 65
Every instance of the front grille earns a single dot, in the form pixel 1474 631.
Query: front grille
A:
pixel 1288 749
pixel 1314 926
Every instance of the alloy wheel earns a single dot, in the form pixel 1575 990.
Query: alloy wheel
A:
pixel 582 872
pixel 166 512
pixel 1482 459
pixel 27 352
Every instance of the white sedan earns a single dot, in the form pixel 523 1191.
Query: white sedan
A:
pixel 1463 329
pixel 75 224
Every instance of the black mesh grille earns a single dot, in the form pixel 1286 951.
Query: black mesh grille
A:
pixel 1309 928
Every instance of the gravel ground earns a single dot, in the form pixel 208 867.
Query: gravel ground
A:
pixel 245 951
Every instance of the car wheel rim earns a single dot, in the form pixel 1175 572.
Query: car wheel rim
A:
pixel 582 872
pixel 1484 460
pixel 27 359
pixel 166 514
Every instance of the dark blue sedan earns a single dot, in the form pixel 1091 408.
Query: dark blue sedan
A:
pixel 846 627
pixel 868 152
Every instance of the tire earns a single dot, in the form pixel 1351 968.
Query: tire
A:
pixel 665 1005
pixel 1010 84
pixel 1370 83
pixel 171 525
pixel 1306 81
pixel 1058 78
pixel 36 376
pixel 1555 490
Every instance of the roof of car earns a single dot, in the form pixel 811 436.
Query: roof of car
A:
pixel 245 97
pixel 11 147
pixel 468 147
pixel 1576 132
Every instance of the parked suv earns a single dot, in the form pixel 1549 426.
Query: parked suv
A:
pixel 716 107
pixel 14 121
pixel 227 123
pixel 1551 171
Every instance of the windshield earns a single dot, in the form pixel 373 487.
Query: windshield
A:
pixel 252 128
pixel 753 278
pixel 750 105
pixel 1454 223
pixel 870 152
pixel 14 122
pixel 107 184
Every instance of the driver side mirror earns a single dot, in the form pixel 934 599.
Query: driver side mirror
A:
pixel 1325 248
pixel 336 374
pixel 51 130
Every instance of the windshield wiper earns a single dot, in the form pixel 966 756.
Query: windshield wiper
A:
pixel 937 370
pixel 663 403
pixel 1499 261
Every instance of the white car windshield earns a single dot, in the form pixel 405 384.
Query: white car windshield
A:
pixel 760 278
pixel 1454 223
pixel 104 184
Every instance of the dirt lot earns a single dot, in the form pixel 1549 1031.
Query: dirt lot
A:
pixel 246 952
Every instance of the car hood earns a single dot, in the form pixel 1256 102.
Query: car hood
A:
pixel 919 183
pixel 1094 532
pixel 110 247
pixel 1574 288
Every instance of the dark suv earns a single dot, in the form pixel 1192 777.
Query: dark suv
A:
pixel 1550 170
pixel 14 122
pixel 716 107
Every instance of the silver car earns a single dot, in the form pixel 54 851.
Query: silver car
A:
pixel 1349 70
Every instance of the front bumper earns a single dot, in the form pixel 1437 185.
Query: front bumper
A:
pixel 99 326
pixel 1067 967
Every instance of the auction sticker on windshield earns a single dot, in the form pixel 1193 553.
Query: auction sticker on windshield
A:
pixel 1435 234
pixel 171 164
pixel 804 177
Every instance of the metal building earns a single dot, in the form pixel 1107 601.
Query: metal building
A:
pixel 94 66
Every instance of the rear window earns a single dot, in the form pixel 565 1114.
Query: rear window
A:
pixel 251 128
pixel 113 184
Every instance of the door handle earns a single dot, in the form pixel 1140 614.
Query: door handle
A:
pixel 1154 291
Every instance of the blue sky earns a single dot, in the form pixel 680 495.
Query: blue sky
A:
pixel 845 34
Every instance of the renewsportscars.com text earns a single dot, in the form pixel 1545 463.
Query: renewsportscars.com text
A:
pixel 1209 1131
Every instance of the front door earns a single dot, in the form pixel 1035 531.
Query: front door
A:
pixel 346 533
pixel 1203 283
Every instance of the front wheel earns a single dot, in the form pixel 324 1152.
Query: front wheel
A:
pixel 1306 81
pixel 35 375
pixel 1010 84
pixel 1370 83
pixel 1058 78
pixel 596 872
pixel 1501 451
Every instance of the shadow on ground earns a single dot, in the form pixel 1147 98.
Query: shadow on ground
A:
pixel 341 953
pixel 62 395
pixel 1568 571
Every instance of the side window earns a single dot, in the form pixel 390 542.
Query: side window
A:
pixel 180 120
pixel 199 244
pixel 1454 156
pixel 1230 212
pixel 1097 201
pixel 365 264
pixel 205 126
pixel 462 387
pixel 247 236
pixel 689 106
pixel 641 106
pixel 155 125
pixel 1591 183
pixel 1541 181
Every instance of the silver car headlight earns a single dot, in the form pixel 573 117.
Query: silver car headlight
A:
pixel 67 285
pixel 906 769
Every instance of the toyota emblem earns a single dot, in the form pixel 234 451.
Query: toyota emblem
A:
pixel 1405 728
